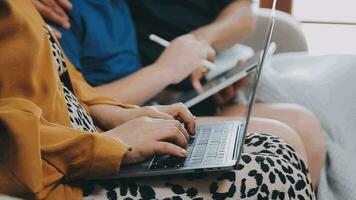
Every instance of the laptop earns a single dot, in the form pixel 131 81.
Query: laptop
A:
pixel 215 147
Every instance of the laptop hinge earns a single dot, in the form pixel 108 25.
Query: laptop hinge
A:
pixel 238 134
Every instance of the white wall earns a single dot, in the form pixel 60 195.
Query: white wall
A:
pixel 325 10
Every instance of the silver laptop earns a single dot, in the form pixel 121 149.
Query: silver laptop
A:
pixel 215 147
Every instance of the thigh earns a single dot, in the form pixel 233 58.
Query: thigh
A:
pixel 301 120
pixel 269 169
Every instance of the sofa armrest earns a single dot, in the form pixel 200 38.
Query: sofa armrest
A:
pixel 287 33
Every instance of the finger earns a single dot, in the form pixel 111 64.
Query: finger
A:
pixel 152 112
pixel 177 124
pixel 241 62
pixel 197 85
pixel 50 15
pixel 196 76
pixel 169 125
pixel 218 98
pixel 166 148
pixel 204 71
pixel 211 53
pixel 186 117
pixel 57 34
pixel 65 4
pixel 180 112
pixel 238 85
pixel 229 93
pixel 55 31
pixel 55 7
pixel 172 134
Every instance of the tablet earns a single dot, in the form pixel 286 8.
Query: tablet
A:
pixel 211 87
pixel 227 59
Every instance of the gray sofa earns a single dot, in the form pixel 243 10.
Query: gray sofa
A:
pixel 287 34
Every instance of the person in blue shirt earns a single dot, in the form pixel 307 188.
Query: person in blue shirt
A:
pixel 101 43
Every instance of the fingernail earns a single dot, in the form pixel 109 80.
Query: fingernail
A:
pixel 183 152
pixel 66 25
pixel 70 5
pixel 59 35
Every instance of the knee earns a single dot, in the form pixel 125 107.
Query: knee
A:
pixel 300 119
pixel 301 116
pixel 279 129
pixel 306 120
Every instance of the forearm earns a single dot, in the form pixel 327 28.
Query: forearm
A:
pixel 234 23
pixel 138 87
pixel 107 116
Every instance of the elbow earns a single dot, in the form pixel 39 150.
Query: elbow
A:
pixel 249 20
pixel 251 25
pixel 247 17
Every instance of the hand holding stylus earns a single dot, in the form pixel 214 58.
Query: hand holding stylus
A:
pixel 165 43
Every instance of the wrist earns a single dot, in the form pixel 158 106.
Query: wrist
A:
pixel 107 116
pixel 206 34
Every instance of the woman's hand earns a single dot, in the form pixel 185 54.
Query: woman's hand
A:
pixel 201 72
pixel 181 113
pixel 109 117
pixel 229 93
pixel 182 57
pixel 148 137
pixel 170 112
pixel 54 11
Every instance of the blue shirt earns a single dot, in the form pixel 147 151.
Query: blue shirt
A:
pixel 102 40
pixel 170 19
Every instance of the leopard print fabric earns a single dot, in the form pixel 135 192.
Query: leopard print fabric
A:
pixel 78 116
pixel 269 169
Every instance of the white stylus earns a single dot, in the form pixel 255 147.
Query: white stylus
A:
pixel 165 43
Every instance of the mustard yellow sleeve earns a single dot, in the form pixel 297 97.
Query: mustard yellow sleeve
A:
pixel 35 154
pixel 38 147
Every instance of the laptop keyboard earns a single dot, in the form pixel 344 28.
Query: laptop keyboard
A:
pixel 207 148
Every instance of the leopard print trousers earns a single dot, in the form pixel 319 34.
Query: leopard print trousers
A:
pixel 269 169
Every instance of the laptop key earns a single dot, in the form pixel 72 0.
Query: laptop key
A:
pixel 191 140
pixel 199 150
pixel 204 141
pixel 165 161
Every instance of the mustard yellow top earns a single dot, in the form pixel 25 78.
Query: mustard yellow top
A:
pixel 38 147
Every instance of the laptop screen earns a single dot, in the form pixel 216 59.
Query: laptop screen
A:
pixel 268 50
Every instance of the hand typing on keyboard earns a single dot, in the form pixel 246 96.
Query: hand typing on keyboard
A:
pixel 149 137
pixel 208 147
pixel 166 161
